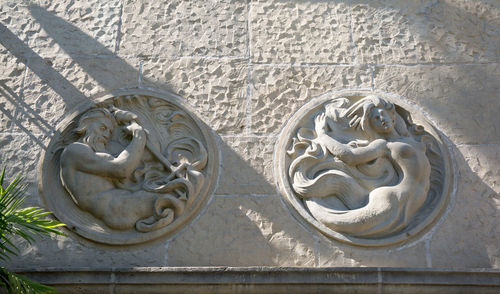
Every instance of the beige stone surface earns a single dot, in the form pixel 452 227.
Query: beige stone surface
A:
pixel 470 234
pixel 462 100
pixel 16 26
pixel 247 165
pixel 336 254
pixel 12 73
pixel 246 67
pixel 54 86
pixel 182 28
pixel 300 32
pixel 51 28
pixel 73 252
pixel 394 32
pixel 279 91
pixel 216 88
pixel 256 231
pixel 73 27
pixel 483 162
pixel 20 153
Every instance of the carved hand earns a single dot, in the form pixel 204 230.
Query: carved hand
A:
pixel 123 116
pixel 320 124
pixel 380 145
pixel 136 130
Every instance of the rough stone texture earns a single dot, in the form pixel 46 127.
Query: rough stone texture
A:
pixel 20 154
pixel 300 32
pixel 73 252
pixel 336 254
pixel 461 99
pixel 470 235
pixel 182 28
pixel 246 67
pixel 247 166
pixel 482 161
pixel 277 92
pixel 215 87
pixel 52 28
pixel 16 26
pixel 73 28
pixel 12 72
pixel 257 231
pixel 53 87
pixel 394 32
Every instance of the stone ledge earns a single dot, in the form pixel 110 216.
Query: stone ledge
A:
pixel 267 280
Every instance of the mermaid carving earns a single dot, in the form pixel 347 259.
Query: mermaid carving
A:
pixel 364 169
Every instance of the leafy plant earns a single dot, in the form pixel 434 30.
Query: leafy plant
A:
pixel 25 223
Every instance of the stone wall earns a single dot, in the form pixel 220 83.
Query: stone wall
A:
pixel 245 67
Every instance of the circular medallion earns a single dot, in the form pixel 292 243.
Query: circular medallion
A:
pixel 129 168
pixel 363 167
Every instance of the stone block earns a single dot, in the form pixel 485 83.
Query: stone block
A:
pixel 216 88
pixel 53 87
pixel 255 231
pixel 394 32
pixel 462 100
pixel 300 32
pixel 184 28
pixel 277 92
pixel 247 166
pixel 470 234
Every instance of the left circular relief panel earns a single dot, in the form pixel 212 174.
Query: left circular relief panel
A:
pixel 129 168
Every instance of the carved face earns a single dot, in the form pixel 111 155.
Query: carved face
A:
pixel 381 120
pixel 98 133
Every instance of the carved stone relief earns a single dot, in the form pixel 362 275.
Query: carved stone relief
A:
pixel 129 168
pixel 362 168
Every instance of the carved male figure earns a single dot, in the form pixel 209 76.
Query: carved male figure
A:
pixel 89 172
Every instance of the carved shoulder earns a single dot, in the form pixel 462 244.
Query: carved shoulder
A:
pixel 82 157
pixel 74 151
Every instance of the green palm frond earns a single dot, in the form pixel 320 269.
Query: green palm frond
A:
pixel 23 222
pixel 15 283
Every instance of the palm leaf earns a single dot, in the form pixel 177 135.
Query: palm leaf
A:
pixel 25 223
pixel 15 283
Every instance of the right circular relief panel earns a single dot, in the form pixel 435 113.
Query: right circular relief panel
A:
pixel 363 168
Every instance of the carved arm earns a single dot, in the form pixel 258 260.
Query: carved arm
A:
pixel 346 153
pixel 81 157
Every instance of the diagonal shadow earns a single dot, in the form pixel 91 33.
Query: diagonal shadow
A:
pixel 39 66
pixel 64 35
pixel 13 98
pixel 54 26
pixel 9 115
